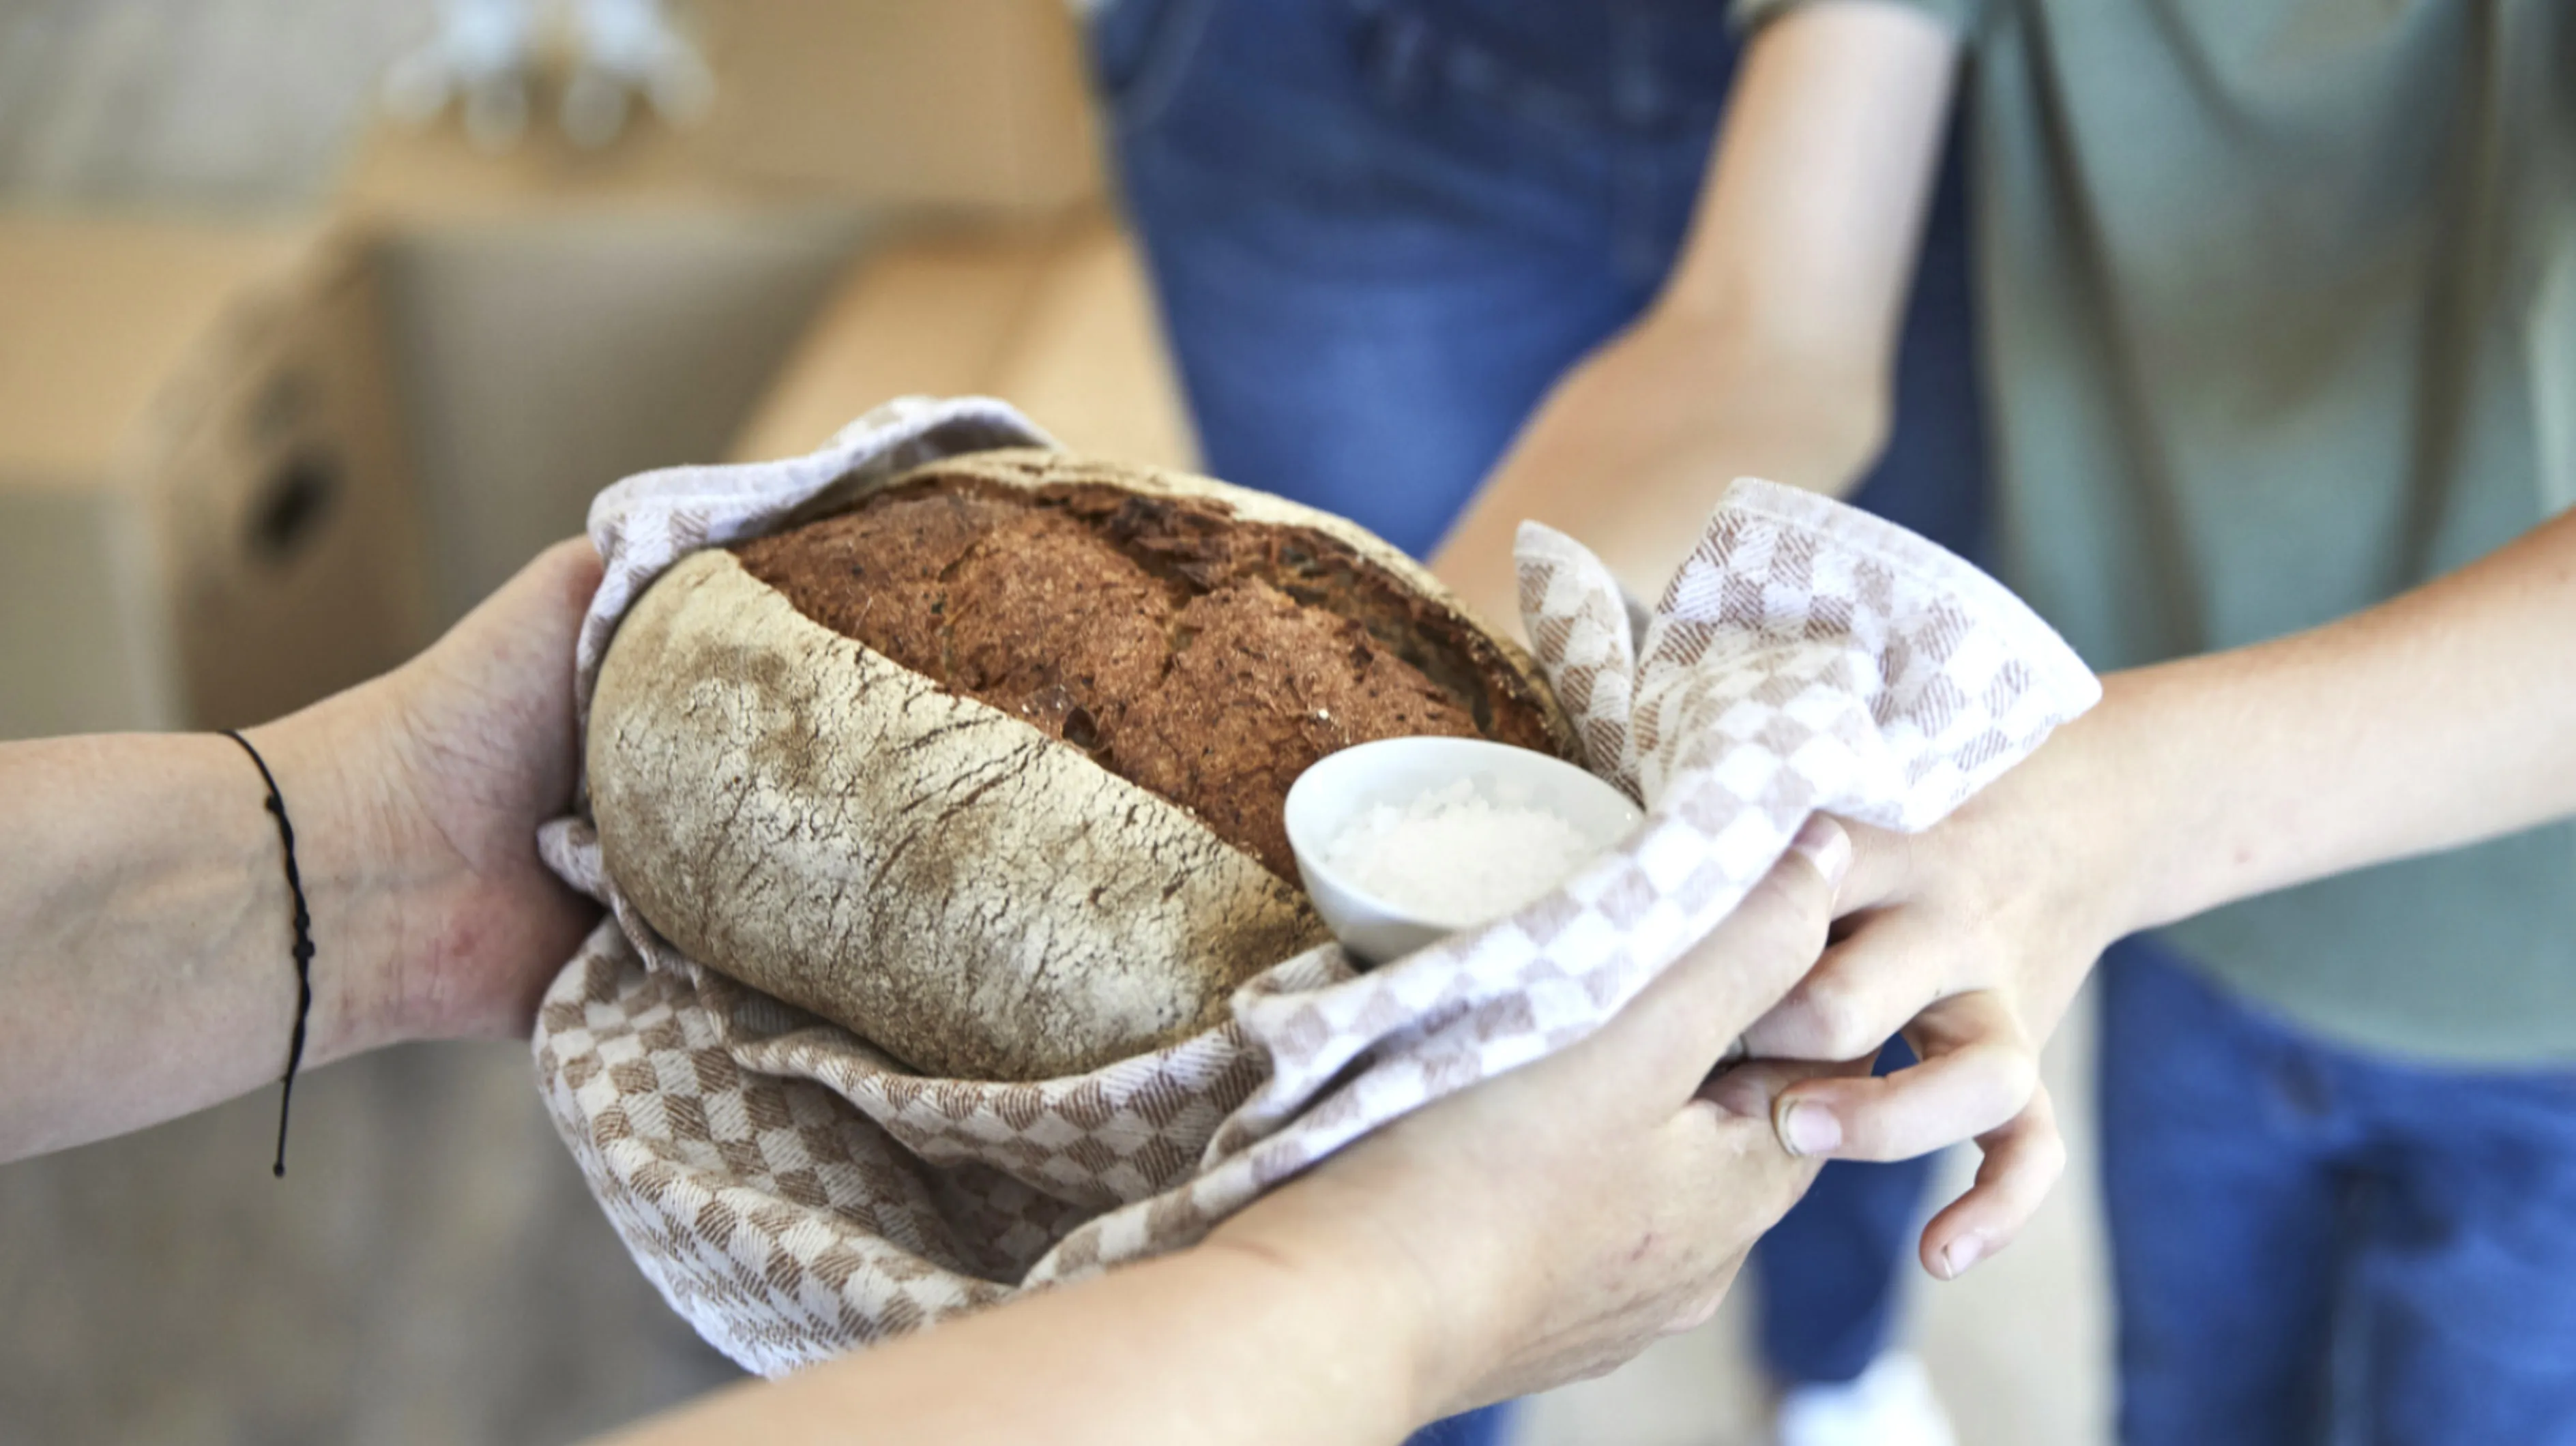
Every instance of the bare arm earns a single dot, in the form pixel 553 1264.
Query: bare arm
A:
pixel 1540 1226
pixel 1770 349
pixel 144 914
pixel 2439 718
pixel 1213 1345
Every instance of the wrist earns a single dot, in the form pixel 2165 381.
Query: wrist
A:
pixel 1786 407
pixel 373 892
pixel 2159 782
pixel 1348 1272
pixel 2055 860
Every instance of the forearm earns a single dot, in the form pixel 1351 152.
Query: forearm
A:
pixel 1769 351
pixel 1812 214
pixel 1633 450
pixel 145 924
pixel 2440 718
pixel 1211 1346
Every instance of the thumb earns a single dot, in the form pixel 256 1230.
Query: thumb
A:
pixel 1681 1024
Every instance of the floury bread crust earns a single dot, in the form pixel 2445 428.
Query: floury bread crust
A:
pixel 974 897
pixel 1203 657
pixel 965 884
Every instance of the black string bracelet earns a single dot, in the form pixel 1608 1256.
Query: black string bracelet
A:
pixel 303 945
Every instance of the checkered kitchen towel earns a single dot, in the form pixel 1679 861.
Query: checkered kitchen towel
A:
pixel 795 1193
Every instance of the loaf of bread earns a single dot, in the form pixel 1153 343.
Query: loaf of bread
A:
pixel 988 764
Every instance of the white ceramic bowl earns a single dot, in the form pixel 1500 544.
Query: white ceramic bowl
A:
pixel 1395 771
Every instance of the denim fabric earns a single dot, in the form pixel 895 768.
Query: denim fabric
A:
pixel 1485 1426
pixel 2314 1245
pixel 1380 229
pixel 1826 1277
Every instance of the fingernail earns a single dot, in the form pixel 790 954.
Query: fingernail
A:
pixel 1806 1129
pixel 1823 844
pixel 1960 1254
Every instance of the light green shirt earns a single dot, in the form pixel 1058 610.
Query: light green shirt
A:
pixel 2279 309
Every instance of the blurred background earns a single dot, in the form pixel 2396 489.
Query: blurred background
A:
pixel 315 322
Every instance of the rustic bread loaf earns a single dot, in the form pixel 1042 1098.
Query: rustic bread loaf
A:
pixel 988 763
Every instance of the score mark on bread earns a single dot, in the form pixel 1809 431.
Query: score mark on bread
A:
pixel 988 765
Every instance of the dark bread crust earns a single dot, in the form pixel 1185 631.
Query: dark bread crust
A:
pixel 961 881
pixel 1202 656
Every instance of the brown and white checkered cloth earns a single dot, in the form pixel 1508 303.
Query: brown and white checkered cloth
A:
pixel 795 1193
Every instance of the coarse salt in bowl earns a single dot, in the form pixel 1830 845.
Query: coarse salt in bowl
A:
pixel 1405 840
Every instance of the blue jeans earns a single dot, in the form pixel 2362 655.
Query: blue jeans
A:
pixel 1381 229
pixel 2314 1245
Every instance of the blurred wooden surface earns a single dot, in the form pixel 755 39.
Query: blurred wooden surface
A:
pixel 432 1269
pixel 1056 318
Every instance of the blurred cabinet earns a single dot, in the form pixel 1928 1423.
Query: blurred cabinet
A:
pixel 1058 320
pixel 205 514
pixel 561 317
pixel 919 103
pixel 968 108
pixel 557 318
pixel 540 357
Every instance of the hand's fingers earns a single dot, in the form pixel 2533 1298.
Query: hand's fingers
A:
pixel 549 595
pixel 1868 986
pixel 488 711
pixel 1677 1028
pixel 1881 861
pixel 2022 1160
pixel 570 570
pixel 502 676
pixel 1978 1070
pixel 1748 1090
